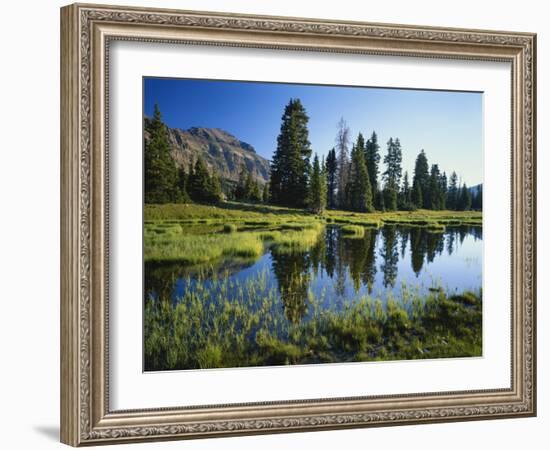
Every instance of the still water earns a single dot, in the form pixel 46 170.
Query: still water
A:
pixel 340 270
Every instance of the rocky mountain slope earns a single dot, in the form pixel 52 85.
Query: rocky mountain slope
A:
pixel 222 152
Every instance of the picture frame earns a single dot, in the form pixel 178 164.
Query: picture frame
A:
pixel 87 32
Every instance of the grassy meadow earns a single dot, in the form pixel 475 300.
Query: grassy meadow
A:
pixel 194 234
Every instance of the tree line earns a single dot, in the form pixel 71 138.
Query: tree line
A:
pixel 350 178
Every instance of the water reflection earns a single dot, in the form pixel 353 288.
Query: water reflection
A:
pixel 343 269
pixel 293 274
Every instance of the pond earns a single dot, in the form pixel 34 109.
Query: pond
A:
pixel 391 293
pixel 340 269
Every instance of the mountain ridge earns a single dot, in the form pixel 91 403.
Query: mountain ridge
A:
pixel 222 152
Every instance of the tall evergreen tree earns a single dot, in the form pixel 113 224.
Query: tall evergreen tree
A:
pixel 372 160
pixel 381 200
pixel 360 186
pixel 421 181
pixel 251 192
pixel 202 187
pixel 324 188
pixel 465 200
pixel 452 193
pixel 240 189
pixel 255 192
pixel 265 194
pixel 342 147
pixel 213 192
pixel 331 171
pixel 434 196
pixel 199 182
pixel 480 197
pixel 477 198
pixel 183 195
pixel 290 164
pixel 406 194
pixel 443 191
pixel 248 189
pixel 416 195
pixel 392 175
pixel 317 197
pixel 160 171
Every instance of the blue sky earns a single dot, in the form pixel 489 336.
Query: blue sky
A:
pixel 447 125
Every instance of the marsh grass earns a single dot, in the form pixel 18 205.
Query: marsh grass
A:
pixel 229 228
pixel 193 233
pixel 293 241
pixel 204 329
pixel 194 249
pixel 436 228
pixel 353 231
pixel 268 214
pixel 419 218
pixel 168 243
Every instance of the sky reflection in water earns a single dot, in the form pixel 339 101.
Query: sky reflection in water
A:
pixel 341 270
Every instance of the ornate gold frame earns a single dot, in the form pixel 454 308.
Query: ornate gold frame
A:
pixel 86 31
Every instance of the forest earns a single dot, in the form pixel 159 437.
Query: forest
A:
pixel 354 176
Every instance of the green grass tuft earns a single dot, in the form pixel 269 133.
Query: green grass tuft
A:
pixel 204 329
pixel 229 228
pixel 353 231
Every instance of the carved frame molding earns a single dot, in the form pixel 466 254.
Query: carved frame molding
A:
pixel 86 32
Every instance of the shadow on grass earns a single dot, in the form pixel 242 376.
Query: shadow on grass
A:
pixel 262 209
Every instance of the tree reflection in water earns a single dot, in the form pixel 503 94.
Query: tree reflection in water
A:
pixel 292 271
pixel 339 261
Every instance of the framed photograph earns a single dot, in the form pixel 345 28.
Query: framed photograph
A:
pixel 276 224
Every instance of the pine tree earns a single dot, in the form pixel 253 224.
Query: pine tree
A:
pixel 421 197
pixel 479 203
pixel 290 164
pixel 392 175
pixel 342 146
pixel 265 194
pixel 416 195
pixel 202 187
pixel 477 198
pixel 372 160
pixel 255 193
pixel 331 168
pixel 443 191
pixel 360 186
pixel 250 188
pixel 380 200
pixel 160 171
pixel 183 196
pixel 406 194
pixel 452 193
pixel 317 197
pixel 213 192
pixel 465 200
pixel 240 189
pixel 433 191
pixel 480 197
pixel 199 182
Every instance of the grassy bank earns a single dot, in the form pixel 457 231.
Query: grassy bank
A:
pixel 232 212
pixel 195 234
pixel 167 242
pixel 205 330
